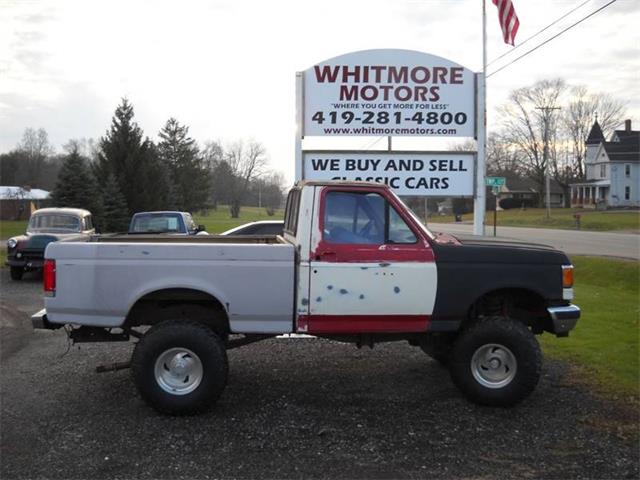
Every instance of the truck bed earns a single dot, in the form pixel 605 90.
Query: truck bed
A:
pixel 100 281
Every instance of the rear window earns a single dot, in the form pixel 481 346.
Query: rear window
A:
pixel 291 211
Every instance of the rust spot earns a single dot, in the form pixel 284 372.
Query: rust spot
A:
pixel 361 296
pixel 305 301
pixel 329 287
pixel 319 299
pixel 364 268
pixel 384 264
pixel 396 289
pixel 344 291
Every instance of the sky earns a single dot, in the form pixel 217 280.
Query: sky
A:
pixel 227 68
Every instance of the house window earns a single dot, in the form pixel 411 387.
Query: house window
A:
pixel 627 193
pixel 603 171
pixel 627 170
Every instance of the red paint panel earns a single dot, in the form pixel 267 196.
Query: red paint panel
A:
pixel 323 324
pixel 421 251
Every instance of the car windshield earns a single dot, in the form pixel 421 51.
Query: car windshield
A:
pixel 160 222
pixel 56 222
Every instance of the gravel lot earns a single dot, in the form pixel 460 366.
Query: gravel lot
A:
pixel 293 409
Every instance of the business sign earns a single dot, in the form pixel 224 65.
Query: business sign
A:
pixel 442 174
pixel 389 92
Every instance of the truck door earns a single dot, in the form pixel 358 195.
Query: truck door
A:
pixel 373 270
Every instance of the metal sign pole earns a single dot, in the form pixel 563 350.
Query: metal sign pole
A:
pixel 299 124
pixel 479 205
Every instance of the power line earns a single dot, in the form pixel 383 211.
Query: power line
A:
pixel 552 38
pixel 538 33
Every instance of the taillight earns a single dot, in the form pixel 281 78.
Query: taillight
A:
pixel 567 276
pixel 49 277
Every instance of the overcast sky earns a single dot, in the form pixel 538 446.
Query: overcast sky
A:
pixel 227 68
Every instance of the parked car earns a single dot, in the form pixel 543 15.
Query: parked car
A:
pixel 353 265
pixel 262 227
pixel 176 223
pixel 26 252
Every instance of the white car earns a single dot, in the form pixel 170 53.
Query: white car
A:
pixel 262 227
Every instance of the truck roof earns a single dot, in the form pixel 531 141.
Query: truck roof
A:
pixel 352 183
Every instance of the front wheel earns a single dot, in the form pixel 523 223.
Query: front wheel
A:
pixel 496 362
pixel 180 367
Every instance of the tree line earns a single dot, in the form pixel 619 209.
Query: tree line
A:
pixel 126 172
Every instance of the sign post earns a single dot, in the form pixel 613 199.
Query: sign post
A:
pixel 495 183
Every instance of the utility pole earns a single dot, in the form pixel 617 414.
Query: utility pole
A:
pixel 546 117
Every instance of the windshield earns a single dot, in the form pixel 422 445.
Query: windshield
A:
pixel 54 223
pixel 157 222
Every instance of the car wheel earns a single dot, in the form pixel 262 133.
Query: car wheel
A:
pixel 180 367
pixel 16 273
pixel 496 362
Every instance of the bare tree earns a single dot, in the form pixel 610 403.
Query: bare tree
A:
pixel 35 150
pixel 530 122
pixel 247 161
pixel 578 117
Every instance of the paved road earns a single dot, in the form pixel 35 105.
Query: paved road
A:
pixel 625 245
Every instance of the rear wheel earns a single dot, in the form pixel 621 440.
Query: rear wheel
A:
pixel 16 273
pixel 496 362
pixel 180 367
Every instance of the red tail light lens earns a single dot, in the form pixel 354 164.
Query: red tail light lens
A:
pixel 49 277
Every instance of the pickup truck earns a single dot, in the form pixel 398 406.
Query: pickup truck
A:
pixel 353 264
pixel 176 223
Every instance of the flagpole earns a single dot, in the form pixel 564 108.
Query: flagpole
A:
pixel 479 206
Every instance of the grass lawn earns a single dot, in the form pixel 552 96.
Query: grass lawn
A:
pixel 604 344
pixel 218 221
pixel 560 218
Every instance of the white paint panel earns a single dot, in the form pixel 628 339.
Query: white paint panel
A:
pixel 400 288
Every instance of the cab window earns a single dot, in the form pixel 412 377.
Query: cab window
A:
pixel 363 218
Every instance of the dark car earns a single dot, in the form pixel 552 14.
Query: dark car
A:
pixel 26 252
pixel 262 227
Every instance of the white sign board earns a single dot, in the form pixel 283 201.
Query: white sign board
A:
pixel 408 173
pixel 389 92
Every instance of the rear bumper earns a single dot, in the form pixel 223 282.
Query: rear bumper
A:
pixel 564 318
pixel 39 321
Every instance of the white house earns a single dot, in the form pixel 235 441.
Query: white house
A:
pixel 612 170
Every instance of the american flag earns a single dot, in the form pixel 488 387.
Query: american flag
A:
pixel 508 20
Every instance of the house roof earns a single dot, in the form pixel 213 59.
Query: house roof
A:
pixel 527 185
pixel 19 193
pixel 595 135
pixel 624 147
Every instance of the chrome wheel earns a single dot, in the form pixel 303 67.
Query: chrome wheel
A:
pixel 494 365
pixel 178 371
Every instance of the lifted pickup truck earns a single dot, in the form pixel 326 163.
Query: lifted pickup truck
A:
pixel 353 264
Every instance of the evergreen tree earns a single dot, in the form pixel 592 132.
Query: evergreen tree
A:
pixel 75 186
pixel 133 162
pixel 114 216
pixel 190 178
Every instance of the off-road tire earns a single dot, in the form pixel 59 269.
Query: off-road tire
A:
pixel 16 273
pixel 180 335
pixel 510 339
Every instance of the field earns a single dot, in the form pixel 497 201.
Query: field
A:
pixel 219 220
pixel 604 345
pixel 562 218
